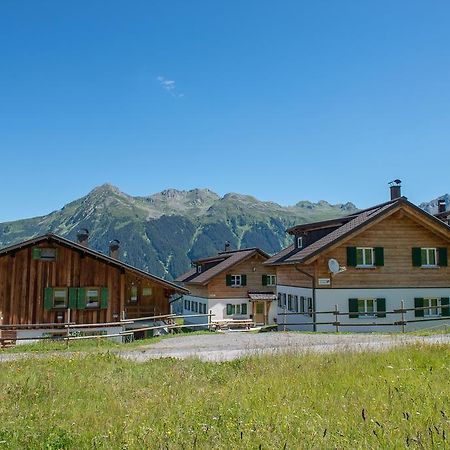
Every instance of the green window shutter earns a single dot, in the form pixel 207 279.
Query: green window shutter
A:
pixel 445 310
pixel 353 308
pixel 417 256
pixel 104 298
pixel 228 280
pixel 229 309
pixel 381 307
pixel 244 280
pixel 36 253
pixel 443 258
pixel 351 256
pixel 264 280
pixel 73 295
pixel 48 298
pixel 244 308
pixel 418 303
pixel 81 303
pixel 379 256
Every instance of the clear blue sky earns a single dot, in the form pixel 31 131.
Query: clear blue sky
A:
pixel 284 100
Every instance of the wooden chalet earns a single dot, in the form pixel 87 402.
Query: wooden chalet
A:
pixel 50 279
pixel 365 265
pixel 234 285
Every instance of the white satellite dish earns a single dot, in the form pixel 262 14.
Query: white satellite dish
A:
pixel 334 266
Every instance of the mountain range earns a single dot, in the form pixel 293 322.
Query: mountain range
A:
pixel 162 233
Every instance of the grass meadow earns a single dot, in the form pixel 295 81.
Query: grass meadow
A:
pixel 394 399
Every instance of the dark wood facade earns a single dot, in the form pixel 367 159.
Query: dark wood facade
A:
pixel 29 282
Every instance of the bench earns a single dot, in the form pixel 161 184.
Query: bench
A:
pixel 8 338
pixel 233 323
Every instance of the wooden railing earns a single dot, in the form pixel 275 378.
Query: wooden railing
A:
pixel 67 331
pixel 356 322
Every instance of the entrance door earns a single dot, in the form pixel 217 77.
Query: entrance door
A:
pixel 259 315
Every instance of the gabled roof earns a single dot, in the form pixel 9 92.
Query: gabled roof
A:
pixel 97 255
pixel 336 222
pixel 291 255
pixel 223 262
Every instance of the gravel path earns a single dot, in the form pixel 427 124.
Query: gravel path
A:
pixel 233 345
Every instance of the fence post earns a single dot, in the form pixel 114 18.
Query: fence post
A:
pixel 402 306
pixel 68 328
pixel 284 317
pixel 336 315
pixel 209 319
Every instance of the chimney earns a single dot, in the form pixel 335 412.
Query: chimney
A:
pixel 227 246
pixel 396 189
pixel 114 246
pixel 442 206
pixel 83 237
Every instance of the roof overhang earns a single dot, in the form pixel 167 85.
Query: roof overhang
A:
pixel 94 254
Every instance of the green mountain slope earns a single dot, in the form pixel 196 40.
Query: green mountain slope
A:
pixel 163 232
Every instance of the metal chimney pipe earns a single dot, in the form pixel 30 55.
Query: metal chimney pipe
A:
pixel 114 246
pixel 83 237
pixel 227 246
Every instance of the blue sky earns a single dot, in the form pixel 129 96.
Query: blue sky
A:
pixel 285 100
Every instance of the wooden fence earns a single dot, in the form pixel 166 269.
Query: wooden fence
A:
pixel 66 331
pixel 400 312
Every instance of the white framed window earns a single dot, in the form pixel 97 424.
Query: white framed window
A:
pixel 271 280
pixel 433 307
pixel 92 298
pixel 299 241
pixel 279 300
pixel 429 257
pixel 44 254
pixel 60 298
pixel 239 309
pixel 302 305
pixel 284 300
pixel 366 307
pixel 147 292
pixel 296 303
pixel 134 294
pixel 289 302
pixel 236 280
pixel 365 257
pixel 199 269
pixel 310 306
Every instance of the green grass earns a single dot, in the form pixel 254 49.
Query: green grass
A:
pixel 394 399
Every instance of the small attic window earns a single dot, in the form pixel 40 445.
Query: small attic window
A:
pixel 44 254
pixel 299 241
pixel 199 269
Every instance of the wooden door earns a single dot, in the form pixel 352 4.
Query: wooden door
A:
pixel 259 314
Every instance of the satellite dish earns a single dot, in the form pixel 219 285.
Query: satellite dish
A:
pixel 334 266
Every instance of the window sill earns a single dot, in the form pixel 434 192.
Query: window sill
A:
pixel 430 267
pixel 365 267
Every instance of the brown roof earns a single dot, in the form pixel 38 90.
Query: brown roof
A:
pixel 291 255
pixel 107 259
pixel 225 261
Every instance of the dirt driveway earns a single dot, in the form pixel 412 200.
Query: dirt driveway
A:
pixel 232 345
